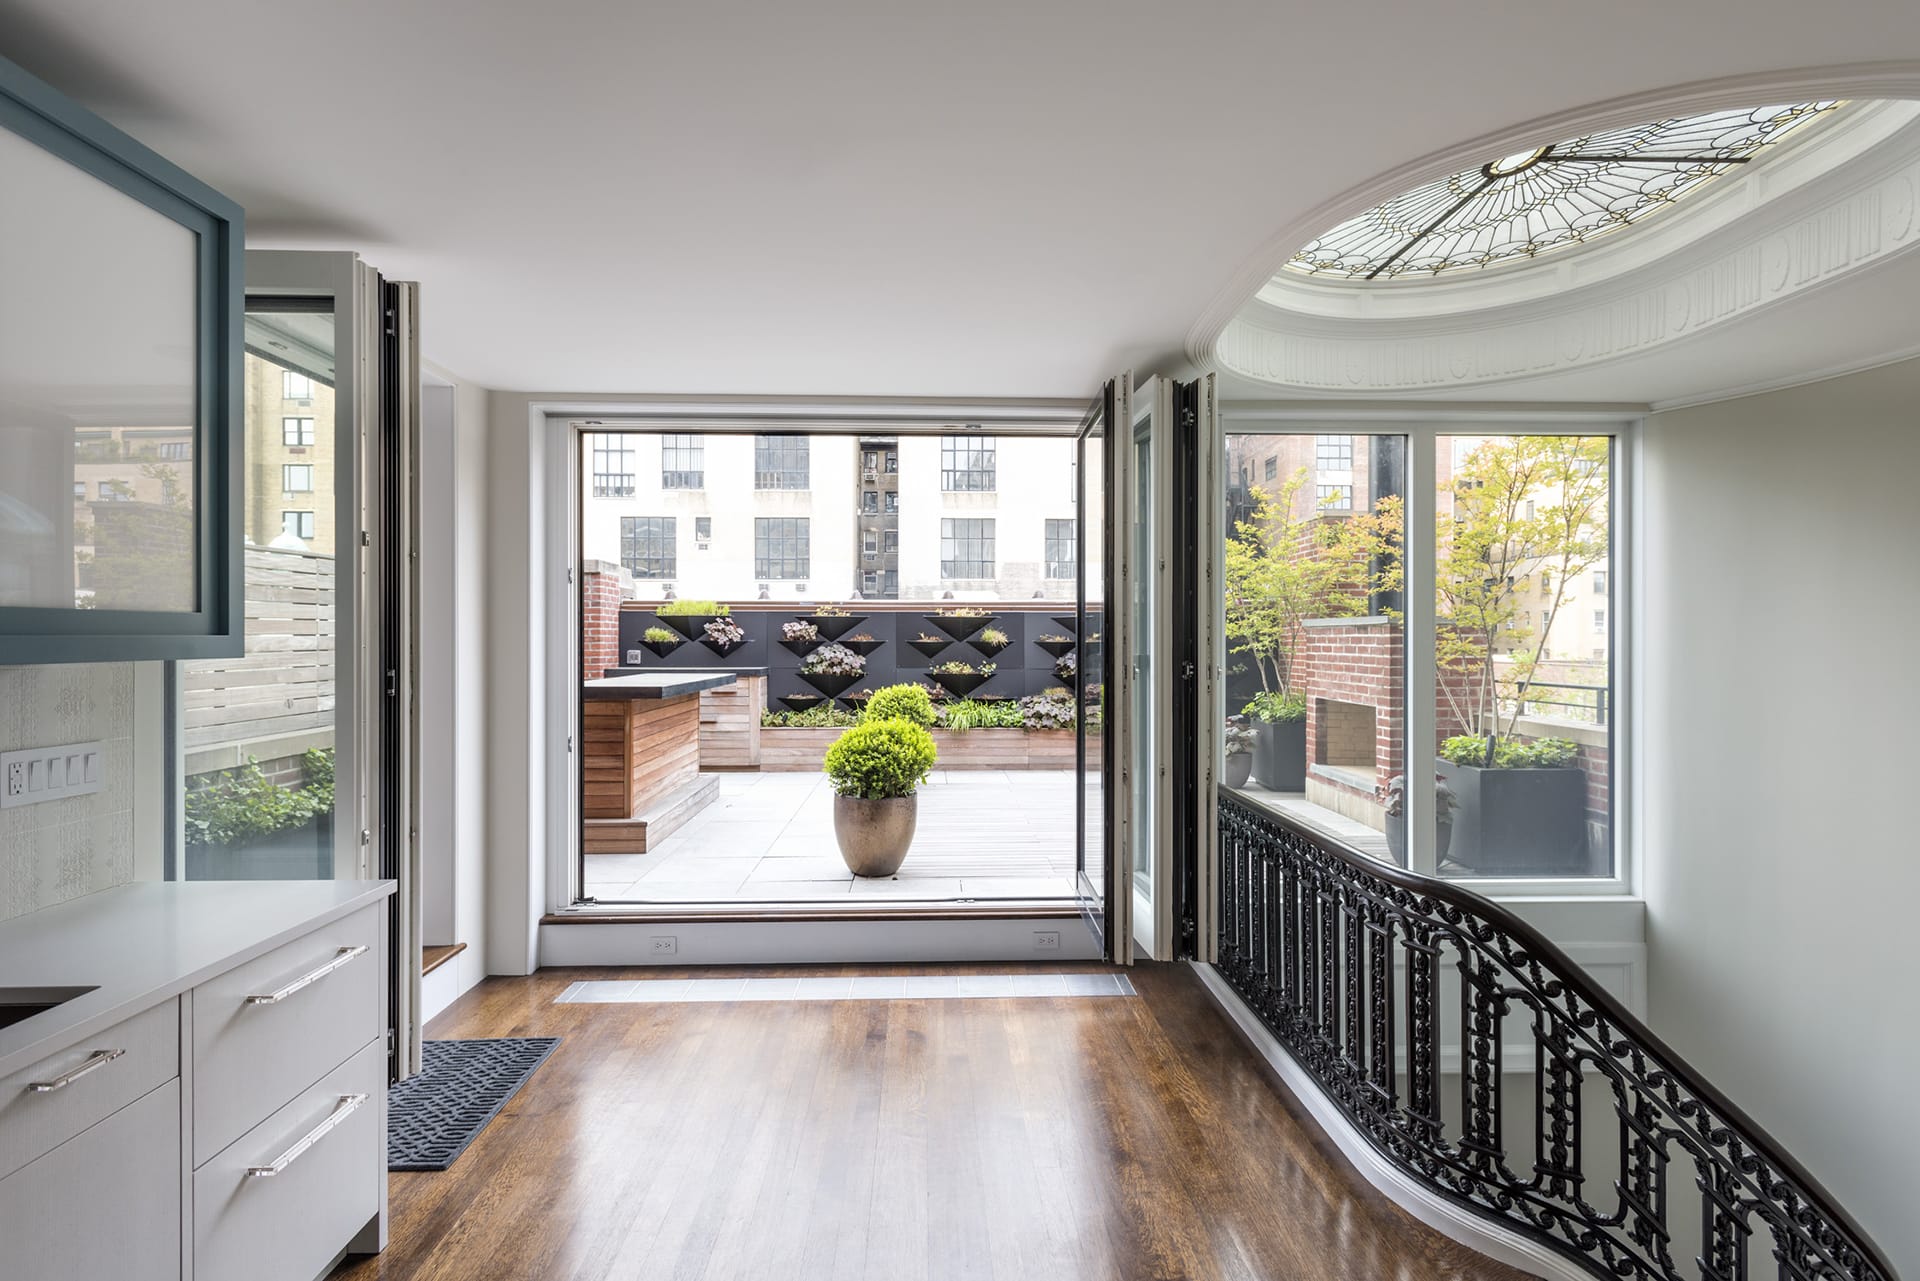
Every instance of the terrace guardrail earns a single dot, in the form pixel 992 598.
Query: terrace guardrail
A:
pixel 1566 701
pixel 1358 967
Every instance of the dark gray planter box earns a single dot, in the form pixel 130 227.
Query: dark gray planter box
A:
pixel 1280 755
pixel 1519 822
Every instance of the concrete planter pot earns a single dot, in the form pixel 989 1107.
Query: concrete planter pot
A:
pixel 1397 839
pixel 874 836
pixel 1519 822
pixel 1239 769
pixel 1280 755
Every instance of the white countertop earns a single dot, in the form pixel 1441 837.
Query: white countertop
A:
pixel 139 944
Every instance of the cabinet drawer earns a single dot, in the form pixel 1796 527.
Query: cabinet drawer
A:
pixel 90 1080
pixel 105 1204
pixel 252 1053
pixel 304 1214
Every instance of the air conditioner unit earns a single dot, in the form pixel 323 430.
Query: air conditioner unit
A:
pixel 701 544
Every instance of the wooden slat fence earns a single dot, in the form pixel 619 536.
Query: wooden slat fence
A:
pixel 284 684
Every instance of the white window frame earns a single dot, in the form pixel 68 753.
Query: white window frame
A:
pixel 296 429
pixel 1423 436
pixel 287 471
pixel 295 385
pixel 303 520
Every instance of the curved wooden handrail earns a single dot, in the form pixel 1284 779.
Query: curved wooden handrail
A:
pixel 1317 969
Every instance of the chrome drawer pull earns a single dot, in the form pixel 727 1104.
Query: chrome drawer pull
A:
pixel 98 1059
pixel 341 1111
pixel 340 958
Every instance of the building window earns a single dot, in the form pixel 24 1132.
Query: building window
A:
pixel 967 464
pixel 648 548
pixel 1333 453
pixel 870 542
pixel 80 490
pixel 890 540
pixel 1273 469
pixel 299 524
pixel 613 473
pixel 966 547
pixel 683 462
pixel 780 547
pixel 1060 549
pixel 296 478
pixel 870 502
pixel 296 431
pixel 114 491
pixel 295 386
pixel 1599 582
pixel 890 458
pixel 1546 583
pixel 1600 621
pixel 890 501
pixel 1334 498
pixel 703 528
pixel 780 462
pixel 176 451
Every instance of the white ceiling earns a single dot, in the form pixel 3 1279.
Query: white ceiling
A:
pixel 991 198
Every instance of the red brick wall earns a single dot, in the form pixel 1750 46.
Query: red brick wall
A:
pixel 1355 662
pixel 599 619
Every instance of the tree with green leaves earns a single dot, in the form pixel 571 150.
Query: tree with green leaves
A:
pixel 1283 568
pixel 1527 510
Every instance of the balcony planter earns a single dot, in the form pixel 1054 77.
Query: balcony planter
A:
pixel 1055 648
pixel 1280 755
pixel 661 648
pixel 723 648
pixel 832 684
pixel 801 702
pixel 863 647
pixel 960 684
pixel 1069 623
pixel 874 836
pixel 929 648
pixel 802 647
pixel 1519 822
pixel 688 625
pixel 959 626
pixel 834 626
pixel 1239 769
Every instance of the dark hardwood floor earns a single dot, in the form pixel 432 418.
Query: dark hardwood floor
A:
pixel 1012 1140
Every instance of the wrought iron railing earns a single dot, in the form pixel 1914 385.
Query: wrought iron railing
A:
pixel 1612 1150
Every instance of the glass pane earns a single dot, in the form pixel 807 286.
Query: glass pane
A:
pixel 1091 664
pixel 1140 609
pixel 1523 603
pixel 1315 632
pixel 258 732
pixel 97 480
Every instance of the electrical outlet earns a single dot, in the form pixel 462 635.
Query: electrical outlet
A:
pixel 664 945
pixel 1046 940
pixel 38 774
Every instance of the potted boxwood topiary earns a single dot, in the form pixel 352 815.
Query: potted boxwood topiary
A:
pixel 1521 806
pixel 1241 742
pixel 875 769
pixel 1280 740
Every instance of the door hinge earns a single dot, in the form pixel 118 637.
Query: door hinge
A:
pixel 366 836
pixel 366 539
pixel 569 573
pixel 569 742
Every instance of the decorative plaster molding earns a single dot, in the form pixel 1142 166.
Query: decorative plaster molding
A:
pixel 1866 81
pixel 1780 254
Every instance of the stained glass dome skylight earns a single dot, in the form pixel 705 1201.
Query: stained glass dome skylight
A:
pixel 1536 201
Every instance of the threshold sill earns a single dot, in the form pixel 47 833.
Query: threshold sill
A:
pixel 663 913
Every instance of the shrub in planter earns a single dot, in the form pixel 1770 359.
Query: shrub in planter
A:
pixel 1521 806
pixel 1280 745
pixel 1052 709
pixel 969 714
pixel 243 806
pixel 875 769
pixel 689 617
pixel 900 703
pixel 991 641
pixel 1241 740
pixel 826 716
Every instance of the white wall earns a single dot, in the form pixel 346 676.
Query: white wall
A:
pixel 1780 695
pixel 59 850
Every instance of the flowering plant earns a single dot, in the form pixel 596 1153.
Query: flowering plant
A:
pixel 957 668
pixel 833 659
pixel 1051 710
pixel 963 611
pixel 1066 667
pixel 724 631
pixel 829 611
pixel 799 631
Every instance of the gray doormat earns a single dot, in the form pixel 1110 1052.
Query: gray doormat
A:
pixel 462 1085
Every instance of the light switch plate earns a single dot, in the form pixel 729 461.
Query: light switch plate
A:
pixel 74 769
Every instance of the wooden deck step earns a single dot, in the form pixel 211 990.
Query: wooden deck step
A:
pixel 662 819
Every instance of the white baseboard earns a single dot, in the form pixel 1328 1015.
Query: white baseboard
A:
pixel 813 942
pixel 1437 1212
